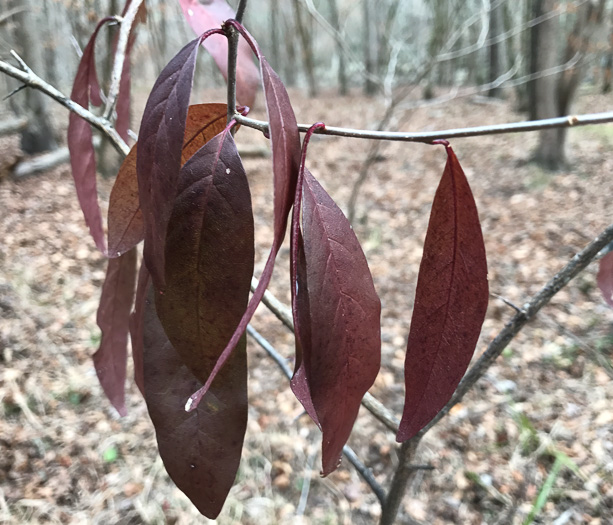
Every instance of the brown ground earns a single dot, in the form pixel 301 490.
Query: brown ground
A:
pixel 66 457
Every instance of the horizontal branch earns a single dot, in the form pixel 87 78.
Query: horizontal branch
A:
pixel 428 136
pixel 31 79
pixel 369 402
pixel 363 470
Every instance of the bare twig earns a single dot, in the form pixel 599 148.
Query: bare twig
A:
pixel 364 471
pixel 127 21
pixel 31 79
pixel 407 451
pixel 233 36
pixel 428 136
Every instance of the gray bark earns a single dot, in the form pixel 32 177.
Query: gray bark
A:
pixel 38 135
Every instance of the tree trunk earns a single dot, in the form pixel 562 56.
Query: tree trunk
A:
pixel 555 93
pixel 274 34
pixel 550 151
pixel 496 50
pixel 290 60
pixel 370 87
pixel 38 135
pixel 342 68
pixel 307 49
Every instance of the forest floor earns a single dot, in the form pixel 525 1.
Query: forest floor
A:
pixel 66 457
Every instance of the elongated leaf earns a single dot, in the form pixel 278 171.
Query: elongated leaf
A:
pixel 201 449
pixel 125 218
pixel 80 143
pixel 158 158
pixel 605 278
pixel 203 16
pixel 285 141
pixel 137 328
pixel 209 255
pixel 301 309
pixel 342 358
pixel 450 301
pixel 113 317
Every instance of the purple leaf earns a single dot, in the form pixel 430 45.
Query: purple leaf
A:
pixel 605 278
pixel 301 310
pixel 340 334
pixel 80 144
pixel 158 158
pixel 136 327
pixel 209 255
pixel 201 449
pixel 113 317
pixel 285 140
pixel 125 218
pixel 450 301
pixel 210 15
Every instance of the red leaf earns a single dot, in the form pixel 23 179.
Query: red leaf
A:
pixel 605 278
pixel 210 15
pixel 158 158
pixel 301 309
pixel 136 327
pixel 113 317
pixel 209 255
pixel 285 140
pixel 450 301
pixel 80 143
pixel 201 450
pixel 125 218
pixel 342 358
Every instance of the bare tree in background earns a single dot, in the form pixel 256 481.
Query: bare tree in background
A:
pixel 553 94
pixel 342 68
pixel 38 135
pixel 307 47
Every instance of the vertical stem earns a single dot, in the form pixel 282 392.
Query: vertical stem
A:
pixel 389 510
pixel 233 36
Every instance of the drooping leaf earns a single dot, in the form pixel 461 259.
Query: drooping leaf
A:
pixel 203 16
pixel 125 220
pixel 158 158
pixel 605 278
pixel 301 310
pixel 450 301
pixel 136 327
pixel 80 140
pixel 209 255
pixel 340 335
pixel 113 317
pixel 201 449
pixel 285 139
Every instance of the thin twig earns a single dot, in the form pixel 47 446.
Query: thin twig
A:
pixel 31 79
pixel 428 136
pixel 127 21
pixel 233 36
pixel 407 451
pixel 240 11
pixel 364 471
pixel 369 402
